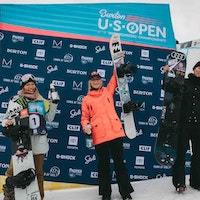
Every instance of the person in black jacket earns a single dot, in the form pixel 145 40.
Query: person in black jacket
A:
pixel 189 130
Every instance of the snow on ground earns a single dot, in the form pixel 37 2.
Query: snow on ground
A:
pixel 155 189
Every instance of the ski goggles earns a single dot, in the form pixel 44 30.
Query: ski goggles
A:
pixel 94 75
pixel 27 78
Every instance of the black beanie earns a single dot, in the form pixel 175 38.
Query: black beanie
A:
pixel 196 65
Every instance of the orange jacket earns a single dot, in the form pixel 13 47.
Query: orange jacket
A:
pixel 98 110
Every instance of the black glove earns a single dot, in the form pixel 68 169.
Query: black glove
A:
pixel 131 106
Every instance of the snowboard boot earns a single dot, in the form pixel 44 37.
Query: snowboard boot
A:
pixel 180 188
pixel 127 197
pixel 106 197
pixel 8 193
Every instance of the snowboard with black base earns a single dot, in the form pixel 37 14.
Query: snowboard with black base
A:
pixel 165 147
pixel 123 70
pixel 24 181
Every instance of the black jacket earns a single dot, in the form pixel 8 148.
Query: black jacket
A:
pixel 190 107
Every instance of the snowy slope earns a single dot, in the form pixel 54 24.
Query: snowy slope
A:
pixel 155 189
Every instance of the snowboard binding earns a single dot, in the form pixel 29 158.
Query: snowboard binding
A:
pixel 21 180
pixel 126 68
pixel 131 106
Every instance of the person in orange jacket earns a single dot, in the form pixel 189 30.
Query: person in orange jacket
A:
pixel 100 119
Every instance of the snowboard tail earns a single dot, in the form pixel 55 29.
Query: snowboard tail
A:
pixel 165 147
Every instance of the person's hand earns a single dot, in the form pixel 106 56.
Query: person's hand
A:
pixel 87 129
pixel 166 68
pixel 9 122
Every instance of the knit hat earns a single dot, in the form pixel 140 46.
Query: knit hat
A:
pixel 26 78
pixel 94 74
pixel 196 65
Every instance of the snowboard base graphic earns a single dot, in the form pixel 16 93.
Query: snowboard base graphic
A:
pixel 118 59
pixel 165 147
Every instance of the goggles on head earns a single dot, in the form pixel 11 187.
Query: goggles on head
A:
pixel 27 78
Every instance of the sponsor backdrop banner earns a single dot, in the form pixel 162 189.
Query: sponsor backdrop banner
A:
pixel 63 44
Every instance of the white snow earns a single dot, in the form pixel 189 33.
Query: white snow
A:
pixel 154 189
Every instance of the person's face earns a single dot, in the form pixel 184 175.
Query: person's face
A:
pixel 96 82
pixel 197 71
pixel 29 87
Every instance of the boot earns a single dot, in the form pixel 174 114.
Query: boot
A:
pixel 8 193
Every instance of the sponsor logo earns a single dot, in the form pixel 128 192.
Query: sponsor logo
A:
pixel 2 148
pixel 53 140
pixel 58 83
pixel 6 63
pixel 17 38
pixel 99 49
pixel 4 165
pixel 145 67
pixel 146 80
pixel 57 45
pixel 144 148
pixel 94 175
pixel 73 141
pixel 17 51
pixel 89 159
pixel 107 62
pixel 4 104
pixel 73 113
pixel 75 172
pixel 1 36
pixel 77 86
pixel 53 172
pixel 40 54
pixel 139 160
pixel 68 58
pixel 65 157
pixel 154 107
pixel 38 41
pixel 50 69
pixel 143 93
pixel 86 60
pixel 71 127
pixel 3 90
pixel 154 135
pixel 51 125
pixel 78 101
pixel 139 177
pixel 132 26
pixel 76 72
pixel 77 46
pixel 145 55
pixel 28 66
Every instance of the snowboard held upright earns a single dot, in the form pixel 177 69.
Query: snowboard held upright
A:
pixel 122 69
pixel 24 180
pixel 165 147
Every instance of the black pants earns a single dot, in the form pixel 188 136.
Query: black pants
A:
pixel 178 172
pixel 115 149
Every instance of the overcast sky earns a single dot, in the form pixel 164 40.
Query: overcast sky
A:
pixel 185 14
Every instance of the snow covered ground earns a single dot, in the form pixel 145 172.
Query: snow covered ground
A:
pixel 155 189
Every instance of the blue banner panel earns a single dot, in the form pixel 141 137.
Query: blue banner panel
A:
pixel 148 24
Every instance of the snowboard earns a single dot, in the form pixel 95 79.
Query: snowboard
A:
pixel 24 180
pixel 173 83
pixel 124 93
